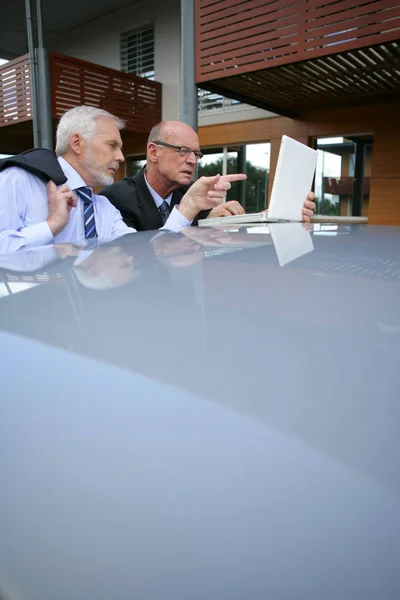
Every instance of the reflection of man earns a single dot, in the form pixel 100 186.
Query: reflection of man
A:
pixel 147 198
pixel 98 268
pixel 89 153
pixel 177 250
pixel 105 268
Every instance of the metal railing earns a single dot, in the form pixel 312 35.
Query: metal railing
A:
pixel 208 101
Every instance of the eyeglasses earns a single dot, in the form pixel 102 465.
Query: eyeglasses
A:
pixel 183 150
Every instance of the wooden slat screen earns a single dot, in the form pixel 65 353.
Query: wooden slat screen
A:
pixel 363 75
pixel 241 36
pixel 75 82
pixel 15 91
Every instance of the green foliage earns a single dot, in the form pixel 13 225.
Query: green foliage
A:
pixel 255 184
pixel 326 207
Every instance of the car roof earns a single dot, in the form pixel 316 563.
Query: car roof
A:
pixel 203 415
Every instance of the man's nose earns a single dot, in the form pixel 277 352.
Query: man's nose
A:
pixel 191 158
pixel 120 157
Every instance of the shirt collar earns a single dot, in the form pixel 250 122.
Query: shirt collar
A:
pixel 156 197
pixel 74 180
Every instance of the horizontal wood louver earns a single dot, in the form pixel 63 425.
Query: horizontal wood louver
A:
pixel 75 82
pixel 15 91
pixel 238 36
pixel 290 54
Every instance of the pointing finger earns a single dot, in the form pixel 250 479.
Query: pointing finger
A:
pixel 209 180
pixel 234 177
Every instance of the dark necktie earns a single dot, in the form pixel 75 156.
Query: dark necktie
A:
pixel 88 213
pixel 164 211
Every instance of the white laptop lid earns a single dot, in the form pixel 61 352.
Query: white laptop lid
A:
pixel 293 179
pixel 292 182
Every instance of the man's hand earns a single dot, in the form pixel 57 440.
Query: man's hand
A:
pixel 227 209
pixel 65 250
pixel 308 208
pixel 207 192
pixel 61 200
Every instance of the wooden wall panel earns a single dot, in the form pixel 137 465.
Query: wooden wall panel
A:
pixel 345 171
pixel 368 163
pixel 134 143
pixel 344 206
pixel 365 207
pixel 386 159
pixel 247 132
pixel 294 128
pixel 344 120
pixel 384 205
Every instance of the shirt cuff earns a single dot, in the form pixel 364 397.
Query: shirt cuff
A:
pixel 37 235
pixel 176 221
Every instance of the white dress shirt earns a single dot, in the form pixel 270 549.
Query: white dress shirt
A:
pixel 24 210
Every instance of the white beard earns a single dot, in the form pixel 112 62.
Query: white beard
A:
pixel 99 175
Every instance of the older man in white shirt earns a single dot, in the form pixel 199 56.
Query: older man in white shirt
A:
pixel 89 151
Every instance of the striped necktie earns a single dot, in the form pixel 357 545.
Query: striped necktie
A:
pixel 88 213
pixel 164 211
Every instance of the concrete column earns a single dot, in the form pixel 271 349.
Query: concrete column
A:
pixel 188 88
pixel 40 78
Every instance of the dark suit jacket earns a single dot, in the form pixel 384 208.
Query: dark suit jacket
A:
pixel 40 162
pixel 132 198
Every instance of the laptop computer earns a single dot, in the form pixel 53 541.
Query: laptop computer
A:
pixel 293 179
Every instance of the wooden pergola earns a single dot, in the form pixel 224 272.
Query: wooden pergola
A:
pixel 291 55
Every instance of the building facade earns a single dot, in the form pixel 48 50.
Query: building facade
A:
pixel 323 72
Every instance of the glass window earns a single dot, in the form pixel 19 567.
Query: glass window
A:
pixel 134 164
pixel 211 163
pixel 137 52
pixel 257 170
pixel 343 175
pixel 220 160
pixel 253 159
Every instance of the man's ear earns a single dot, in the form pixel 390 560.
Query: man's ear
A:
pixel 76 143
pixel 152 152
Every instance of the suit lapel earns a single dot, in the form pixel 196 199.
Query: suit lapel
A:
pixel 149 211
pixel 176 198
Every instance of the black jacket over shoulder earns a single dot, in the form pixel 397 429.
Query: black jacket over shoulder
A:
pixel 40 162
pixel 132 198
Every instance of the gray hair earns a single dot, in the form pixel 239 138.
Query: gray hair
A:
pixel 82 120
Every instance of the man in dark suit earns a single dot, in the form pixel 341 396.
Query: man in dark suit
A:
pixel 146 199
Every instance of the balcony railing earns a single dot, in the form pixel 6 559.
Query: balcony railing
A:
pixel 241 36
pixel 74 82
pixel 15 91
pixel 208 101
